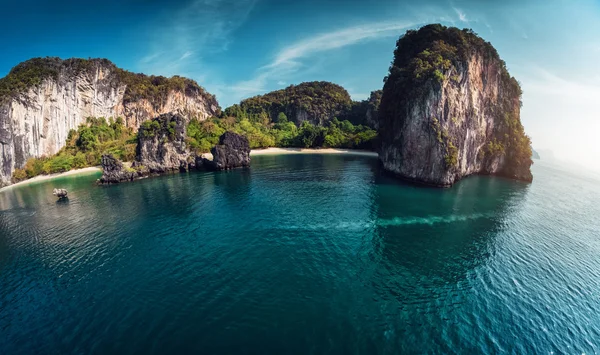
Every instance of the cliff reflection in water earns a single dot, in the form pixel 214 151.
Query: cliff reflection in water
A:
pixel 296 251
pixel 442 234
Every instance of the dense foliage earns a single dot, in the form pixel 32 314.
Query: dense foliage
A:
pixel 84 147
pixel 430 56
pixel 203 135
pixel 366 112
pixel 138 86
pixel 319 100
pixel 262 119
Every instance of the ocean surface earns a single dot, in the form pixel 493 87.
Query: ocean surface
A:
pixel 302 254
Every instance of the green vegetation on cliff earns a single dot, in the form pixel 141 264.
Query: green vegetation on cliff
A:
pixel 155 89
pixel 317 102
pixel 262 119
pixel 432 56
pixel 84 147
pixel 203 135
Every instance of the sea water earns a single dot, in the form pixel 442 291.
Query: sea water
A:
pixel 302 254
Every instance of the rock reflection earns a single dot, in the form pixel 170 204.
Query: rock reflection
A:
pixel 438 236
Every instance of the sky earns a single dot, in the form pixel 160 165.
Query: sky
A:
pixel 241 48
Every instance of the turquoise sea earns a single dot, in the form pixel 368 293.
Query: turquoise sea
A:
pixel 302 254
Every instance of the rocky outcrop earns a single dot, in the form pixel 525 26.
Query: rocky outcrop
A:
pixel 42 99
pixel 114 171
pixel 60 193
pixel 450 109
pixel 161 145
pixel 534 154
pixel 233 151
pixel 162 149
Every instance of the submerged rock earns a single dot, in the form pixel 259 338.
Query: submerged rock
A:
pixel 233 151
pixel 60 193
pixel 450 109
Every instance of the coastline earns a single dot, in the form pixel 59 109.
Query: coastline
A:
pixel 254 152
pixel 272 151
pixel 39 178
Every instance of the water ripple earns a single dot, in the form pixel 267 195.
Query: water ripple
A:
pixel 302 254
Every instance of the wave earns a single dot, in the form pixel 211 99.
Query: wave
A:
pixel 396 221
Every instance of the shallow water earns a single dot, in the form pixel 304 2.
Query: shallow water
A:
pixel 302 254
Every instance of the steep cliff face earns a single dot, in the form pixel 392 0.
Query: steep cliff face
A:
pixel 43 98
pixel 450 109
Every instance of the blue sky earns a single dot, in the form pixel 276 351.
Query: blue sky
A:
pixel 241 48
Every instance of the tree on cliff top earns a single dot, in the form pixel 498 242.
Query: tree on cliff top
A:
pixel 422 61
pixel 155 89
pixel 320 100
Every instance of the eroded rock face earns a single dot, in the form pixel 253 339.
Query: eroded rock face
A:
pixel 161 145
pixel 114 171
pixel 36 122
pixel 450 109
pixel 233 151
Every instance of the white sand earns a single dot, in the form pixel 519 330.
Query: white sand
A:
pixel 278 151
pixel 270 151
pixel 54 176
pixel 267 151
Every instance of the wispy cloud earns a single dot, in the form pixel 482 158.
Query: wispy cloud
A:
pixel 203 27
pixel 289 59
pixel 461 15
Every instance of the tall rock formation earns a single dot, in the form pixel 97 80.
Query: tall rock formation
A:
pixel 161 145
pixel 43 98
pixel 233 151
pixel 450 109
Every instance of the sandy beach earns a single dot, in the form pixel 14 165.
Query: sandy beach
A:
pixel 269 151
pixel 53 176
pixel 254 152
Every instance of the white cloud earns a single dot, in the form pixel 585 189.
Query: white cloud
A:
pixel 289 59
pixel 203 27
pixel 461 15
pixel 186 54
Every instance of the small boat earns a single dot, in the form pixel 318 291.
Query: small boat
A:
pixel 60 193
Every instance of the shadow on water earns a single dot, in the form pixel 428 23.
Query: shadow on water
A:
pixel 62 201
pixel 438 236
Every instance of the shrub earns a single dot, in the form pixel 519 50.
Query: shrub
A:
pixel 19 175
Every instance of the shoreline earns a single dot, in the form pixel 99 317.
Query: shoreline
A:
pixel 40 178
pixel 273 151
pixel 253 152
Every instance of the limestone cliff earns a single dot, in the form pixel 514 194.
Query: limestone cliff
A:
pixel 161 145
pixel 43 98
pixel 162 148
pixel 450 109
